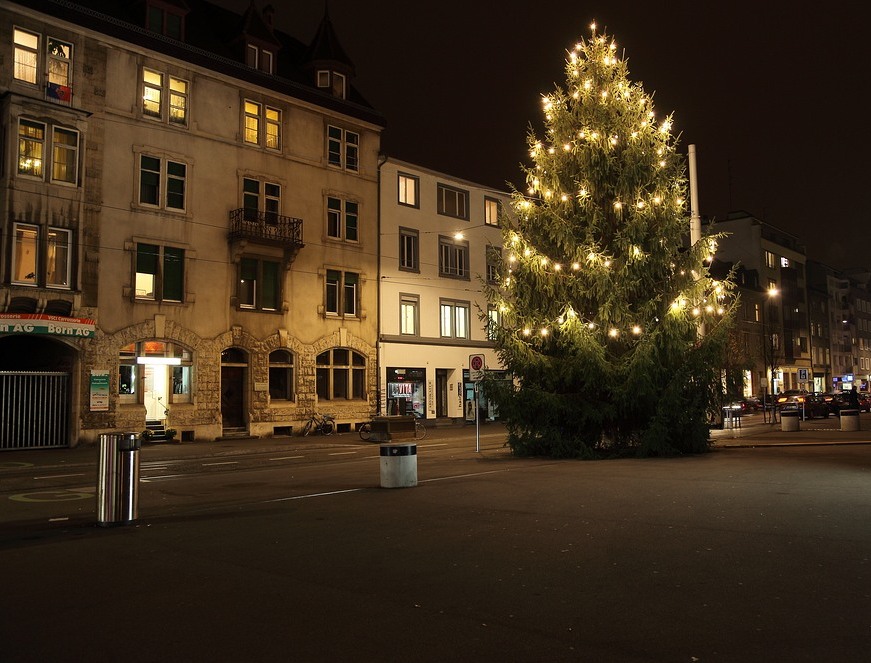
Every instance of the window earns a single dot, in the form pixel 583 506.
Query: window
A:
pixel 341 374
pixel 342 219
pixel 65 155
pixel 784 261
pixel 494 321
pixel 281 375
pixel 770 260
pixel 492 207
pixel 333 81
pixel 494 260
pixel 454 319
pixel 156 174
pixel 273 128
pixel 259 58
pixel 58 85
pixel 31 148
pixel 159 273
pixel 341 293
pixel 409 310
pixel 453 202
pixel 343 148
pixel 409 189
pixel 165 22
pixel 156 88
pixel 261 200
pixel 35 263
pixel 259 284
pixel 409 250
pixel 252 122
pixel 147 370
pixel 453 258
pixel 26 55
pixel 258 116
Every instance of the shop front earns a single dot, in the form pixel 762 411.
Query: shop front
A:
pixel 487 410
pixel 406 392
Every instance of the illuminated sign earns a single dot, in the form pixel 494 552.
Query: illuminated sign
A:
pixel 41 323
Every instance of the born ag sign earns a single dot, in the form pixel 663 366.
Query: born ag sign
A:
pixel 476 368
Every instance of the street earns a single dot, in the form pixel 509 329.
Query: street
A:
pixel 743 554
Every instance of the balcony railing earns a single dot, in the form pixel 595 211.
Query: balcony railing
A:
pixel 266 228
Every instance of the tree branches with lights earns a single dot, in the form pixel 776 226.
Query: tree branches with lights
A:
pixel 601 304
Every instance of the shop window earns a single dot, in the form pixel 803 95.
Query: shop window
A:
pixel 341 374
pixel 281 375
pixel 156 374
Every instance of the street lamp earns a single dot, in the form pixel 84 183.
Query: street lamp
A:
pixel 768 350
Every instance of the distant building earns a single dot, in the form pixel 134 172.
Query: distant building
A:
pixel 440 237
pixel 190 223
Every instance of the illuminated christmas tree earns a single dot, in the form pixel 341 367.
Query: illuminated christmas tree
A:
pixel 611 327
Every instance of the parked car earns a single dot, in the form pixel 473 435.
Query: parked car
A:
pixel 809 406
pixel 745 405
pixel 864 401
pixel 837 402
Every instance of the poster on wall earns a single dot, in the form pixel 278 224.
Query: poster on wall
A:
pixel 99 389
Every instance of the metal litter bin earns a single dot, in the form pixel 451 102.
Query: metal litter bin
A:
pixel 118 479
pixel 789 421
pixel 398 465
pixel 849 420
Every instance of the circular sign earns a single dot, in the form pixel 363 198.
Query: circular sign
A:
pixel 477 362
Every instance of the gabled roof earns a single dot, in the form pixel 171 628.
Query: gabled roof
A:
pixel 326 50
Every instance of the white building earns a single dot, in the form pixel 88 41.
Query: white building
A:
pixel 439 239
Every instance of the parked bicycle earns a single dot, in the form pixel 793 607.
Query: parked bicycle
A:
pixel 322 424
pixel 366 430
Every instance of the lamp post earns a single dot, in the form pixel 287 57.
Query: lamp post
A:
pixel 768 350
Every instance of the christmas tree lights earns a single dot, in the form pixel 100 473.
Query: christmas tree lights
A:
pixel 602 302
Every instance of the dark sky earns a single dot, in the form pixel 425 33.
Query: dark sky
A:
pixel 773 94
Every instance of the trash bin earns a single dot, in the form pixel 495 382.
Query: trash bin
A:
pixel 118 479
pixel 789 421
pixel 398 465
pixel 849 420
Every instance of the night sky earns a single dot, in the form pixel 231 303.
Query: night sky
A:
pixel 773 94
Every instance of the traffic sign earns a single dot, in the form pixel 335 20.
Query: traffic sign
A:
pixel 476 368
pixel 802 375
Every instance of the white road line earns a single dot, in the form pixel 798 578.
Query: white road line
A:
pixel 342 453
pixel 305 497
pixel 462 476
pixel 161 476
pixel 226 462
pixel 60 476
pixel 287 458
pixel 443 444
pixel 57 520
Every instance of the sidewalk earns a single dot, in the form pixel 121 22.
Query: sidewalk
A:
pixel 754 432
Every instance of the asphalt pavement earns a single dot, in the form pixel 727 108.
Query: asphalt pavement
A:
pixel 760 551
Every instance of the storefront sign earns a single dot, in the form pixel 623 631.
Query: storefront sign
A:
pixel 99 391
pixel 40 323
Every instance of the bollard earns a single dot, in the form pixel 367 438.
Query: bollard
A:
pixel 789 421
pixel 849 420
pixel 398 465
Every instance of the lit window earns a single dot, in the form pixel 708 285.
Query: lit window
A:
pixel 59 79
pixel 25 251
pixel 494 260
pixel 178 101
pixel 57 258
pixel 65 155
pixel 273 128
pixel 454 319
pixel 343 148
pixel 156 87
pixel 152 92
pixel 494 321
pixel 38 263
pixel 342 219
pixel 25 56
pixel 159 273
pixel 141 380
pixel 409 187
pixel 784 261
pixel 341 374
pixel 408 314
pixel 252 122
pixel 491 211
pixel 31 148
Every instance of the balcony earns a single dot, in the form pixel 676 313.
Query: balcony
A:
pixel 268 228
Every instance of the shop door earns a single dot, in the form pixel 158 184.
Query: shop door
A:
pixel 232 396
pixel 441 392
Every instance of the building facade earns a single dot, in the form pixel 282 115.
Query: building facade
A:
pixel 190 224
pixel 440 238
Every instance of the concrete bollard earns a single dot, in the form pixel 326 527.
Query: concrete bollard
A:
pixel 789 421
pixel 398 465
pixel 849 420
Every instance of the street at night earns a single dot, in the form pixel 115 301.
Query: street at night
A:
pixel 753 553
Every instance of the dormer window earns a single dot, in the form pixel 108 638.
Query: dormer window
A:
pixel 259 58
pixel 164 19
pixel 333 81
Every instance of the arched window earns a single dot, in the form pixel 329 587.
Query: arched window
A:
pixel 156 373
pixel 281 375
pixel 341 374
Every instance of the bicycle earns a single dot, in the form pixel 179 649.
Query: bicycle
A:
pixel 366 431
pixel 322 424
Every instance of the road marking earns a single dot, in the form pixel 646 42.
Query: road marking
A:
pixel 287 458
pixel 443 444
pixel 462 476
pixel 60 476
pixel 52 496
pixel 14 465
pixel 57 520
pixel 226 462
pixel 161 476
pixel 305 497
pixel 342 453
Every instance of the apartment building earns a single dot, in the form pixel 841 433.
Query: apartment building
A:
pixel 190 223
pixel 440 238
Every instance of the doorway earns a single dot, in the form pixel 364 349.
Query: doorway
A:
pixel 441 392
pixel 234 368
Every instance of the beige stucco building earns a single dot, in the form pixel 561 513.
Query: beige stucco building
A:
pixel 190 223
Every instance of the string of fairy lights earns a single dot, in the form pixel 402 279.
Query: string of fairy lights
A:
pixel 597 83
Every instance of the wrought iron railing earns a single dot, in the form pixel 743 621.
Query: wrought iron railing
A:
pixel 266 227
